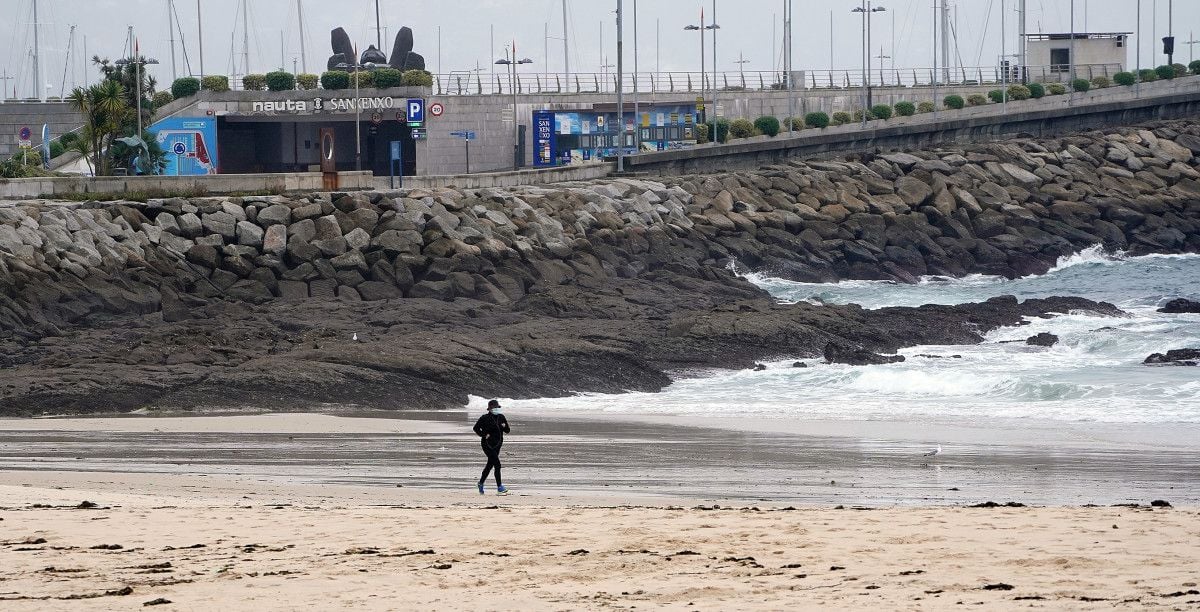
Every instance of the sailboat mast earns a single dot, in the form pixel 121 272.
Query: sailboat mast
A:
pixel 246 36
pixel 39 90
pixel 171 34
pixel 303 53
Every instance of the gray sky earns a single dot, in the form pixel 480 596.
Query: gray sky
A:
pixel 746 29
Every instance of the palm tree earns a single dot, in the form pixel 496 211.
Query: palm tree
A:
pixel 105 111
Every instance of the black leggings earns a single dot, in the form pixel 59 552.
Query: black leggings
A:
pixel 493 456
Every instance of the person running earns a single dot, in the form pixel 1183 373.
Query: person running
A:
pixel 491 428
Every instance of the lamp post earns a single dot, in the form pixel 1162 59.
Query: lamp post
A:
pixel 512 65
pixel 354 68
pixel 866 11
pixel 703 85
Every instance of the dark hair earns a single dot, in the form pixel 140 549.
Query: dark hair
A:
pixel 493 404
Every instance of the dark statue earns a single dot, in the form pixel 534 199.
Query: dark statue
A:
pixel 403 57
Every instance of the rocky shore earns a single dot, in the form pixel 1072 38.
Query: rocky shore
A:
pixel 604 286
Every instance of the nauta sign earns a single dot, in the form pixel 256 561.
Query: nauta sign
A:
pixel 321 105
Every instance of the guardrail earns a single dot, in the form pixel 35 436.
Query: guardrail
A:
pixel 480 83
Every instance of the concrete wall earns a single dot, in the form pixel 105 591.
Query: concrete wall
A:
pixel 213 184
pixel 531 176
pixel 15 115
pixel 1179 98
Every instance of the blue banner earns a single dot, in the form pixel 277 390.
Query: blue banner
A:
pixel 545 149
pixel 190 143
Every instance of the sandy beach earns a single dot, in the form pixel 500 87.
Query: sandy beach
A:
pixel 209 544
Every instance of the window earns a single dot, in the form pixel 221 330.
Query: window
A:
pixel 1060 60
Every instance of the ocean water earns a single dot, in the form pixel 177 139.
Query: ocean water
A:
pixel 1094 374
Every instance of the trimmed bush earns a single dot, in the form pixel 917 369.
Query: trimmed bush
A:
pixel 215 83
pixel 185 87
pixel 995 95
pixel 926 107
pixel 1124 78
pixel 793 123
pixel 1037 90
pixel 162 98
pixel 702 133
pixel 386 78
pixel 858 116
pixel 722 130
pixel 840 118
pixel 1180 70
pixel 906 109
pixel 56 149
pixel 1195 67
pixel 767 125
pixel 819 119
pixel 417 78
pixel 1019 92
pixel 1056 89
pixel 1165 72
pixel 335 79
pixel 307 82
pixel 1101 82
pixel 254 82
pixel 1081 85
pixel 881 111
pixel 742 128
pixel 976 100
pixel 281 81
pixel 365 79
pixel 1148 75
pixel 954 101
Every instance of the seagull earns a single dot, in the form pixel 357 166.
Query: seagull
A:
pixel 355 337
pixel 934 453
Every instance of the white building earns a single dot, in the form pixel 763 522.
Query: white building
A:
pixel 1049 56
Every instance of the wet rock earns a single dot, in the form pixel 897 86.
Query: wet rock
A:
pixel 835 353
pixel 1181 306
pixel 1043 339
pixel 1179 357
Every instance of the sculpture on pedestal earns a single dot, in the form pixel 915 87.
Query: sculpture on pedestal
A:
pixel 403 58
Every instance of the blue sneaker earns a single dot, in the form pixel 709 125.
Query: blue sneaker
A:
pixel 500 490
pixel 481 488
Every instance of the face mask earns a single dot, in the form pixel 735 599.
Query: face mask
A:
pixel 495 410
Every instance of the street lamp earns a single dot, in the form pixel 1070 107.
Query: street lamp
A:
pixel 355 67
pixel 866 11
pixel 512 66
pixel 703 86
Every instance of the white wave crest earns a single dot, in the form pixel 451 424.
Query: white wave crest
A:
pixel 1091 255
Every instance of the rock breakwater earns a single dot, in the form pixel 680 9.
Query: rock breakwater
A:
pixel 567 265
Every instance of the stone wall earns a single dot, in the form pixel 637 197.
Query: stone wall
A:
pixel 212 184
pixel 1008 208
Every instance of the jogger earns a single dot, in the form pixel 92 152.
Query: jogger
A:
pixel 491 428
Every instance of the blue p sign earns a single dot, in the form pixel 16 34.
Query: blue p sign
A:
pixel 416 110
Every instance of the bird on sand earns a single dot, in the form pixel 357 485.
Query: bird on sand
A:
pixel 355 337
pixel 934 453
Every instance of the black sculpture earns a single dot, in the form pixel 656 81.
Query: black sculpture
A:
pixel 403 57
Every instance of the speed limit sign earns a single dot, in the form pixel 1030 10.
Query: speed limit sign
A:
pixel 436 109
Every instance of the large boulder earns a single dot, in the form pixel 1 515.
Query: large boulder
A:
pixel 836 353
pixel 1181 306
pixel 1179 357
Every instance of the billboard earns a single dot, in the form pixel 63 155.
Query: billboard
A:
pixel 190 143
pixel 545 150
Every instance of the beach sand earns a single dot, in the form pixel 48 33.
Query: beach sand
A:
pixel 229 544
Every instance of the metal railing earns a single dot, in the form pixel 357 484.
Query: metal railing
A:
pixel 484 83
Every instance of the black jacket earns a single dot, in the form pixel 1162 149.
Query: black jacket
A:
pixel 492 427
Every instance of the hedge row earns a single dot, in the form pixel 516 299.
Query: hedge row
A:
pixel 285 81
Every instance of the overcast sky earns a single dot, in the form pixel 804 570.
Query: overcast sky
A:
pixel 748 29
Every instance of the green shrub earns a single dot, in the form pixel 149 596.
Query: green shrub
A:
pixel 69 138
pixel 906 109
pixel 976 100
pixel 954 101
pixel 1195 67
pixel 1037 90
pixel 1101 82
pixel 926 107
pixel 721 130
pixel 793 123
pixel 1056 89
pixel 307 82
pixel 162 98
pixel 185 87
pixel 335 79
pixel 1180 70
pixel 1124 78
pixel 820 120
pixel 702 133
pixel 1165 72
pixel 215 83
pixel 767 125
pixel 1081 85
pixel 858 116
pixel 1148 75
pixel 56 149
pixel 281 81
pixel 365 79
pixel 417 78
pixel 1019 92
pixel 994 95
pixel 881 111
pixel 742 128
pixel 254 82
pixel 386 78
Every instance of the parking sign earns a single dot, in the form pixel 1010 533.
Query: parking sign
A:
pixel 416 110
